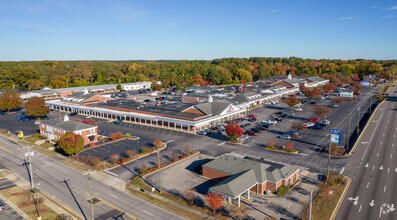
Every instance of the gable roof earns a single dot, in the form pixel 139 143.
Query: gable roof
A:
pixel 213 108
pixel 67 125
pixel 262 170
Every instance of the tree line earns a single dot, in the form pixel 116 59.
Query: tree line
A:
pixel 59 74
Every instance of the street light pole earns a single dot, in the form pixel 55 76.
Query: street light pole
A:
pixel 90 182
pixel 158 162
pixel 358 120
pixel 329 157
pixel 29 154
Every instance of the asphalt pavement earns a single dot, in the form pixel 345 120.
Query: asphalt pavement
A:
pixel 71 188
pixel 373 168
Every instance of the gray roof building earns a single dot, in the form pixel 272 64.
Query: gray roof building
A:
pixel 213 108
pixel 67 125
pixel 245 173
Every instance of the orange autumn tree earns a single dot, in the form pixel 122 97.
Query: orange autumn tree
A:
pixel 292 101
pixel 213 200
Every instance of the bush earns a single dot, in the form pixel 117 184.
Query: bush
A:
pixel 114 158
pixel 36 135
pixel 99 137
pixel 187 150
pixel 143 170
pixel 92 144
pixel 116 136
pixel 71 143
pixel 174 156
pixel 189 196
pixel 137 181
pixel 123 161
pixel 42 137
pixel 146 150
pixel 282 190
pixel 128 135
pixel 93 161
pixel 130 153
pixel 271 143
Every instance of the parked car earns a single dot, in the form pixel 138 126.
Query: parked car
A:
pixel 208 131
pixel 315 119
pixel 201 132
pixel 317 127
pixel 73 114
pixel 252 119
pixel 247 124
pixel 292 133
pixel 324 121
pixel 278 113
pixel 118 122
pixel 264 128
pixel 278 119
pixel 308 124
pixel 88 116
pixel 313 103
pixel 24 119
pixel 271 121
pixel 2 206
pixel 221 131
pixel 243 126
pixel 284 136
pixel 333 106
pixel 21 116
pixel 2 113
pixel 298 109
pixel 251 133
pixel 251 116
pixel 256 130
pixel 37 122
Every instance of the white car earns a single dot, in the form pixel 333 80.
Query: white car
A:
pixel 37 122
pixel 271 121
pixel 88 116
pixel 324 121
pixel 298 109
pixel 308 124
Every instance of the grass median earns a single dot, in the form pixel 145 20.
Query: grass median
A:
pixel 324 204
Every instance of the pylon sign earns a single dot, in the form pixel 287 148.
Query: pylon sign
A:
pixel 336 136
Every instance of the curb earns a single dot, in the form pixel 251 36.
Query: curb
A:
pixel 365 128
pixel 336 210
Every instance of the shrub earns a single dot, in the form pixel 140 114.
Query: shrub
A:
pixel 114 158
pixel 93 161
pixel 116 136
pixel 123 161
pixel 42 137
pixel 158 143
pixel 99 137
pixel 189 196
pixel 92 144
pixel 128 135
pixel 174 156
pixel 289 146
pixel 143 170
pixel 146 150
pixel 137 181
pixel 36 135
pixel 271 143
pixel 282 190
pixel 130 153
pixel 187 150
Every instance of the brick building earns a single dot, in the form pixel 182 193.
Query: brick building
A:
pixel 238 176
pixel 54 128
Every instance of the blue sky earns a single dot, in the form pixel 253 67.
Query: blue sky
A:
pixel 187 29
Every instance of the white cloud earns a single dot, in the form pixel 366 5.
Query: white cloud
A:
pixel 392 8
pixel 374 7
pixel 274 11
pixel 346 18
pixel 389 16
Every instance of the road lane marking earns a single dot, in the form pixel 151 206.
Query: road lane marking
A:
pixel 169 141
pixel 391 155
pixel 114 196
pixel 128 214
pixel 373 168
pixel 7 150
pixel 384 190
pixel 111 173
pixel 343 169
pixel 359 210
pixel 147 212
pixel 388 169
pixel 221 143
pixel 384 134
pixel 367 185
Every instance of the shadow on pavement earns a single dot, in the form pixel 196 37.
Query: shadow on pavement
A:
pixel 75 200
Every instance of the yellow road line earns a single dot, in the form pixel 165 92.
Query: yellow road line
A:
pixel 6 150
pixel 128 214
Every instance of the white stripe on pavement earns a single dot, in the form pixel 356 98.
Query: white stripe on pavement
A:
pixel 343 169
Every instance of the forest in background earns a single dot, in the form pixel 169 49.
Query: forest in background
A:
pixel 32 75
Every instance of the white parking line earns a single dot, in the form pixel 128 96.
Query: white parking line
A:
pixel 221 143
pixel 343 169
pixel 367 185
pixel 147 212
pixel 384 190
pixel 114 196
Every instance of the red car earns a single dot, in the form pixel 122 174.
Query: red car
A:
pixel 251 116
pixel 251 133
pixel 315 119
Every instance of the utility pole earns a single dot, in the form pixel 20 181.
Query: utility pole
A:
pixel 29 154
pixel 329 156
pixel 358 120
pixel 310 206
pixel 370 105
pixel 90 181
pixel 158 162
pixel 348 134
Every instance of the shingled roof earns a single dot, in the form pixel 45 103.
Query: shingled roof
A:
pixel 213 108
pixel 245 172
pixel 67 125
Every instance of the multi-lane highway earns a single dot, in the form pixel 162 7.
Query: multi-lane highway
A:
pixel 70 187
pixel 373 168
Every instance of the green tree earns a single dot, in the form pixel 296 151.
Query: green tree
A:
pixel 10 99
pixel 71 143
pixel 35 106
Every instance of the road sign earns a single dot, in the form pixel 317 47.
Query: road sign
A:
pixel 336 136
pixel 347 94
